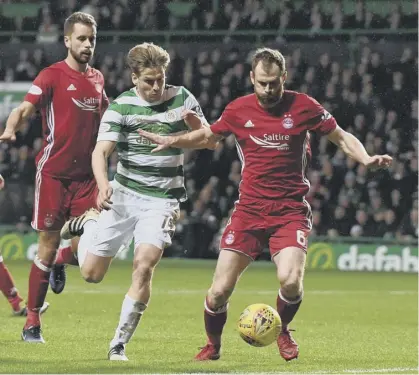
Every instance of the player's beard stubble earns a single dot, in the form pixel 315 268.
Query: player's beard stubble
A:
pixel 270 100
pixel 82 57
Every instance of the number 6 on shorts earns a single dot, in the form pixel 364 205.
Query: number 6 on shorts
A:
pixel 301 238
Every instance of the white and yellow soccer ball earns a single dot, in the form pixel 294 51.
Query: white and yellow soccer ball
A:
pixel 259 325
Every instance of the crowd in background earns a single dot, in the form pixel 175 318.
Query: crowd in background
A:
pixel 230 15
pixel 376 102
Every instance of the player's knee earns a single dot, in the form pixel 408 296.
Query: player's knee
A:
pixel 292 284
pixel 91 276
pixel 49 241
pixel 93 279
pixel 218 296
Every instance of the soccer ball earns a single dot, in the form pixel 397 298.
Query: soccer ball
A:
pixel 259 325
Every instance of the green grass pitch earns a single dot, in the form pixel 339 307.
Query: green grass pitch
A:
pixel 348 323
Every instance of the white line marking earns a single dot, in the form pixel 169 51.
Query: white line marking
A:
pixel 368 371
pixel 349 371
pixel 117 290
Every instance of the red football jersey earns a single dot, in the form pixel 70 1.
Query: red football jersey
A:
pixel 71 104
pixel 274 148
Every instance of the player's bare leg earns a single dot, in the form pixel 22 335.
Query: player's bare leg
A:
pixel 93 267
pixel 230 266
pixel 290 270
pixel 136 300
pixel 38 284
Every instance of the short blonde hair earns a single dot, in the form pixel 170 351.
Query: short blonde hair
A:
pixel 147 55
pixel 268 56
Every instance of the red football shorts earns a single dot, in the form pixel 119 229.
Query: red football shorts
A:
pixel 260 224
pixel 56 200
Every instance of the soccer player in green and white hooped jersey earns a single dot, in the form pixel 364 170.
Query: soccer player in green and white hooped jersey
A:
pixel 158 176
pixel 142 202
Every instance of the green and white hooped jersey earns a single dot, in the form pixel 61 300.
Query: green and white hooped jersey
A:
pixel 160 174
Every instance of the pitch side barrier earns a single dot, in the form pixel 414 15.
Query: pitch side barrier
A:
pixel 342 253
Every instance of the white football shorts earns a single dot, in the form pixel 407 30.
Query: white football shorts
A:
pixel 146 219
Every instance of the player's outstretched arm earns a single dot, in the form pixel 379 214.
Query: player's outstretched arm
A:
pixel 194 122
pixel 100 157
pixel 352 147
pixel 16 117
pixel 1 182
pixel 198 139
pixel 192 119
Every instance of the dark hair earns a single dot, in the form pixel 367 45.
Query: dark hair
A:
pixel 78 17
pixel 268 57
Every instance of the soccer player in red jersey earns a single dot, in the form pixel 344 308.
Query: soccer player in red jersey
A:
pixel 7 285
pixel 70 95
pixel 272 129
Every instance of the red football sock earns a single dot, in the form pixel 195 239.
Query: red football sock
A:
pixel 7 287
pixel 38 287
pixel 287 308
pixel 215 320
pixel 66 256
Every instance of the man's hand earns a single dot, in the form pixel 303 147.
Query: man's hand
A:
pixel 1 182
pixel 379 161
pixel 8 136
pixel 191 119
pixel 103 200
pixel 162 142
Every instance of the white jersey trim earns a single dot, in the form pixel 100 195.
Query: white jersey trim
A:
pixel 306 181
pixel 47 151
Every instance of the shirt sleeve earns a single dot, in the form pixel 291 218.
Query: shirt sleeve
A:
pixel 105 101
pixel 41 90
pixel 111 124
pixel 320 120
pixel 225 124
pixel 192 104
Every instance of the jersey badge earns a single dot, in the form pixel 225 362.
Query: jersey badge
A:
pixel 171 116
pixel 229 238
pixel 48 221
pixel 287 122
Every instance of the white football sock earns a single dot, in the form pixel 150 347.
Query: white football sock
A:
pixel 131 313
pixel 85 242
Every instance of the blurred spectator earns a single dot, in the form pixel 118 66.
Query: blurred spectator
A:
pixel 230 15
pixel 25 70
pixel 374 100
pixel 48 31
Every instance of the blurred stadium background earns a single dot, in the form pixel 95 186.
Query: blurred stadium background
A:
pixel 359 59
